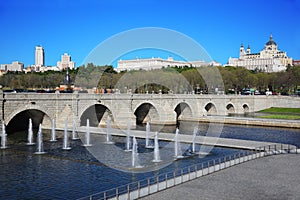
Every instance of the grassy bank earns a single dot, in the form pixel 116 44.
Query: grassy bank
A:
pixel 280 113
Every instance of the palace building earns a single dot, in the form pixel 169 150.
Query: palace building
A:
pixel 270 59
pixel 158 63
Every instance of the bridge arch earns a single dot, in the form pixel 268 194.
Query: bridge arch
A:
pixel 19 119
pixel 246 108
pixel 183 110
pixel 210 108
pixel 97 115
pixel 230 108
pixel 146 112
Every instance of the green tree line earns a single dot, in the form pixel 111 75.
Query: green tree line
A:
pixel 169 79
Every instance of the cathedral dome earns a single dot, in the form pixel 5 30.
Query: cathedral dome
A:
pixel 271 42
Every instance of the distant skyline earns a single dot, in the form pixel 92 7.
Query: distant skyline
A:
pixel 77 27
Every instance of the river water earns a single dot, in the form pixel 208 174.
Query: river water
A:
pixel 61 174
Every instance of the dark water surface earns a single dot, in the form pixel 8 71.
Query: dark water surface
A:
pixel 61 174
pixel 257 133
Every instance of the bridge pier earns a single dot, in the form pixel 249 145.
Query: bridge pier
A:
pixel 122 119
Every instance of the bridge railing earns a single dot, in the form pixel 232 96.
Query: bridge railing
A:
pixel 278 149
pixel 160 182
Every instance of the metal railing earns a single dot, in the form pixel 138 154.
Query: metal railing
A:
pixel 160 182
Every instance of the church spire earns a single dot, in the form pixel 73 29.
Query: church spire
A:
pixel 271 41
pixel 271 37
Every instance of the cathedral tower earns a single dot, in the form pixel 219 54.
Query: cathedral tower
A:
pixel 242 51
pixel 248 50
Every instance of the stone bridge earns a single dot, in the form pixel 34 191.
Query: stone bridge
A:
pixel 17 108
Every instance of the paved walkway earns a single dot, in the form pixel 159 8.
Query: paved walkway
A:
pixel 274 177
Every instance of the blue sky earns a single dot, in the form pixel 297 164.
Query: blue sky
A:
pixel 77 27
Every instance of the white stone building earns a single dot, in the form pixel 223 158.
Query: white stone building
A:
pixel 158 63
pixel 270 59
pixel 65 62
pixel 14 66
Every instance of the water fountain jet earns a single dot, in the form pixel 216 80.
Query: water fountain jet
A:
pixel 30 133
pixel 74 135
pixel 53 134
pixel 66 137
pixel 128 142
pixel 194 140
pixel 135 155
pixel 108 131
pixel 3 136
pixel 147 136
pixel 156 149
pixel 177 146
pixel 40 145
pixel 87 134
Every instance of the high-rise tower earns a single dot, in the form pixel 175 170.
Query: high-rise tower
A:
pixel 39 56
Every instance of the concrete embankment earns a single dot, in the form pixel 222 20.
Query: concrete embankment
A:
pixel 250 121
